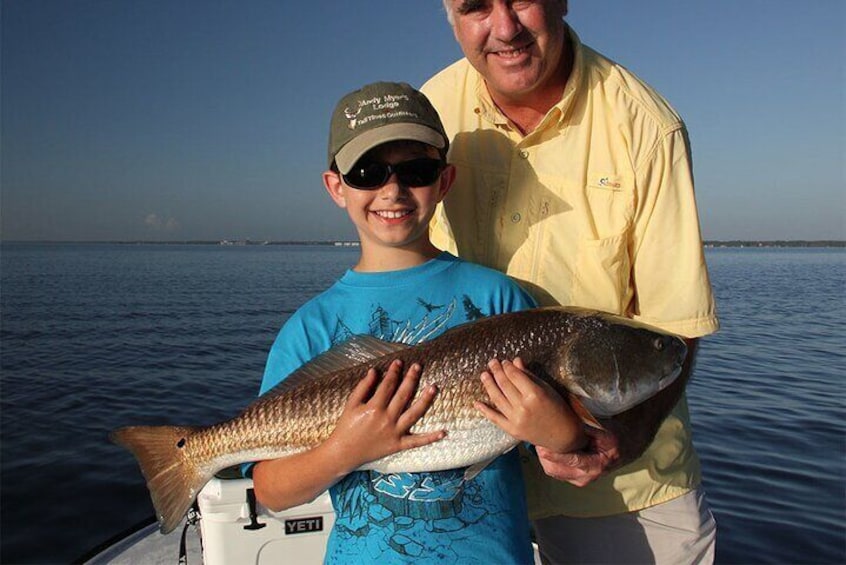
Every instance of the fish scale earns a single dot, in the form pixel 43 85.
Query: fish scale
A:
pixel 604 364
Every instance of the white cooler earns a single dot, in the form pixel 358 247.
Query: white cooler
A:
pixel 235 529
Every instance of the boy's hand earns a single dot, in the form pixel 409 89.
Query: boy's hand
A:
pixel 373 426
pixel 529 409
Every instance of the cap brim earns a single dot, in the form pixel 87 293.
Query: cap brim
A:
pixel 352 151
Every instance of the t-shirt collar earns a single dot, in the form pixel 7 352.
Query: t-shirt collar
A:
pixel 410 276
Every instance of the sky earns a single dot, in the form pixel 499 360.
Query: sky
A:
pixel 174 120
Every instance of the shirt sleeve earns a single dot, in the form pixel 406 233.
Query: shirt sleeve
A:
pixel 520 300
pixel 670 277
pixel 509 296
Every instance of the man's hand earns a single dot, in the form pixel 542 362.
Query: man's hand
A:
pixel 582 467
pixel 529 409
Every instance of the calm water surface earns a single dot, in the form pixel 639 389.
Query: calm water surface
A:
pixel 98 336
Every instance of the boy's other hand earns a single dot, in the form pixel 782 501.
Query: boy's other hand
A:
pixel 529 409
pixel 377 423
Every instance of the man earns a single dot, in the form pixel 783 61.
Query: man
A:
pixel 575 178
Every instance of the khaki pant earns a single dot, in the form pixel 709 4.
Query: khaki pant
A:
pixel 681 531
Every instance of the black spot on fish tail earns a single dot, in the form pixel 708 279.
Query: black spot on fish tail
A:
pixel 173 478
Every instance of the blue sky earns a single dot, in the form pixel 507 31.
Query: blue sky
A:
pixel 181 120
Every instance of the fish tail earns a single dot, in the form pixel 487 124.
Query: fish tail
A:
pixel 172 478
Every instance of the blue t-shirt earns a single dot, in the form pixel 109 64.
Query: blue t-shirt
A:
pixel 431 517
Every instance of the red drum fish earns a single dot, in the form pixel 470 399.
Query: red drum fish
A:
pixel 603 364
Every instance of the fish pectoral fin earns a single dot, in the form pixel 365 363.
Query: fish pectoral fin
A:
pixel 583 413
pixel 476 468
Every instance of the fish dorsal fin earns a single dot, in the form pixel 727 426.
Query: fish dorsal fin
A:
pixel 355 351
pixel 361 348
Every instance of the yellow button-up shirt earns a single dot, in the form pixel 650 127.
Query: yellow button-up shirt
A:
pixel 594 208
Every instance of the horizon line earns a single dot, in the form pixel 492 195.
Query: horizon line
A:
pixel 259 242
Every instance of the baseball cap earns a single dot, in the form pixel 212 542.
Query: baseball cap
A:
pixel 378 113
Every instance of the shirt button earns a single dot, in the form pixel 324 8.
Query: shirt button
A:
pixel 515 217
pixel 524 154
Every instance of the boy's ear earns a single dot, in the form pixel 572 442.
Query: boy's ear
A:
pixel 332 182
pixel 447 178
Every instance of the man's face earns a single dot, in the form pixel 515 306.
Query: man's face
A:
pixel 516 45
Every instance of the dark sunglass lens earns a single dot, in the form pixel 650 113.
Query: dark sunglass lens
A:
pixel 418 172
pixel 367 175
pixel 414 173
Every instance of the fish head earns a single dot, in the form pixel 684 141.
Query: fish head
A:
pixel 612 363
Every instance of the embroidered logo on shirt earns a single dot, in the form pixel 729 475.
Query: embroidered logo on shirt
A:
pixel 607 182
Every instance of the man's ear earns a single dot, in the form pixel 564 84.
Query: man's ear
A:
pixel 335 188
pixel 447 178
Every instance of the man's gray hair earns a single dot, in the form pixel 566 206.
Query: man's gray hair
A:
pixel 448 10
pixel 451 19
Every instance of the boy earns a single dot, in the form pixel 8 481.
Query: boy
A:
pixel 387 168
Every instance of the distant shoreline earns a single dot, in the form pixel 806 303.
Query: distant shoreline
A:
pixel 354 243
pixel 222 243
pixel 777 243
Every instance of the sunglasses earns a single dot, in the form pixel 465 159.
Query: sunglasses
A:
pixel 370 175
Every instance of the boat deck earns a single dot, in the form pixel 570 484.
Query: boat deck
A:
pixel 146 546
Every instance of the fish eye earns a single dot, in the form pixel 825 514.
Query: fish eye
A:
pixel 658 343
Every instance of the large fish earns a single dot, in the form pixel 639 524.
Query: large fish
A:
pixel 604 364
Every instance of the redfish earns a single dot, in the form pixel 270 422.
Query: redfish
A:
pixel 603 364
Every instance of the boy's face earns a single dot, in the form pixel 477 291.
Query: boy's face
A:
pixel 392 215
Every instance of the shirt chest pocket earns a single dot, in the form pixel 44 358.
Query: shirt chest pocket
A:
pixel 603 262
pixel 595 210
pixel 609 205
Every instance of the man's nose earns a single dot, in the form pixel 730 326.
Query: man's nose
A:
pixel 505 23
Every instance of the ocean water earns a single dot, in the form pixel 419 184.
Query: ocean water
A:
pixel 95 336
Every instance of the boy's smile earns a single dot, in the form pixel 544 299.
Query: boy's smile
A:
pixel 393 208
pixel 393 215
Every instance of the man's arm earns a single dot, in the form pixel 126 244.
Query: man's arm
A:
pixel 625 438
